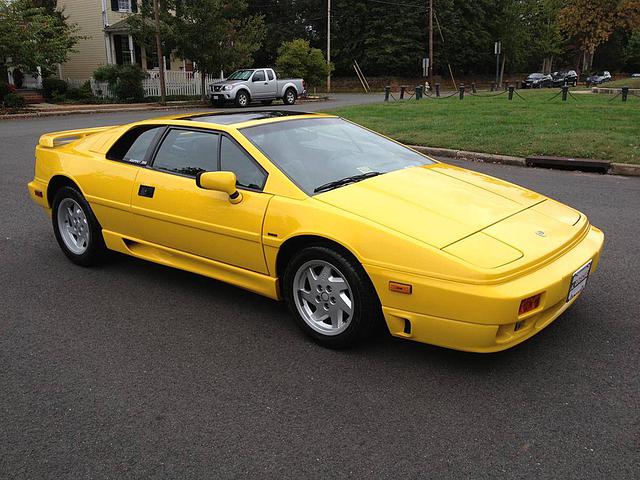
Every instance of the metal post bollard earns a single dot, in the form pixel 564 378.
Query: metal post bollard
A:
pixel 387 92
pixel 462 91
pixel 473 87
pixel 565 93
pixel 437 89
pixel 402 89
pixel 418 92
pixel 511 90
pixel 625 93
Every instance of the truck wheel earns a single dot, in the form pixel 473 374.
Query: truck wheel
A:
pixel 290 96
pixel 266 103
pixel 242 99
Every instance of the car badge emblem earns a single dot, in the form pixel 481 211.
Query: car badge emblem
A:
pixel 540 233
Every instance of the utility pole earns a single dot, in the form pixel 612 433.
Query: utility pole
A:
pixel 329 45
pixel 163 91
pixel 431 43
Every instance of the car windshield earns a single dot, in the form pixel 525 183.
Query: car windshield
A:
pixel 535 76
pixel 240 75
pixel 315 152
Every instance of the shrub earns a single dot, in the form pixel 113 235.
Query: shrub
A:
pixel 18 77
pixel 51 86
pixel 297 59
pixel 85 91
pixel 125 80
pixel 74 93
pixel 13 100
pixel 4 90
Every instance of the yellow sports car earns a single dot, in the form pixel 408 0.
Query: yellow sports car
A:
pixel 345 225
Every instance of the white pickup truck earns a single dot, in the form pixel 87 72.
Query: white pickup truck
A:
pixel 255 84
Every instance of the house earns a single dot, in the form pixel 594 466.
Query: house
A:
pixel 107 39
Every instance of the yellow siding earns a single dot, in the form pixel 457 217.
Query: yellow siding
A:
pixel 91 52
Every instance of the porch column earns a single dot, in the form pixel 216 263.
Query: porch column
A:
pixel 131 49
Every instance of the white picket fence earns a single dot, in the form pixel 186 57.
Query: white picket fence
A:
pixel 176 82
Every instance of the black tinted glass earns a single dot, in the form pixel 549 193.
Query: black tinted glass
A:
pixel 234 159
pixel 188 152
pixel 258 76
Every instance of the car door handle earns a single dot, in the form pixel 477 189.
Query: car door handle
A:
pixel 146 191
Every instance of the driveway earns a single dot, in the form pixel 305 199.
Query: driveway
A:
pixel 134 370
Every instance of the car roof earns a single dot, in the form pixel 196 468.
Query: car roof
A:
pixel 230 118
pixel 240 119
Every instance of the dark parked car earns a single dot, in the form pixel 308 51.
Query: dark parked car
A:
pixel 537 80
pixel 570 77
pixel 598 78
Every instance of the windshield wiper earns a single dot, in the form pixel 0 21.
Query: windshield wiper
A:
pixel 345 181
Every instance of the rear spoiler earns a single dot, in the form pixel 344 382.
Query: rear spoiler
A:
pixel 56 139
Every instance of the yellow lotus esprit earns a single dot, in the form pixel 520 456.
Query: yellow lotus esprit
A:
pixel 345 225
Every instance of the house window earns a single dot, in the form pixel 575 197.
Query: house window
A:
pixel 124 5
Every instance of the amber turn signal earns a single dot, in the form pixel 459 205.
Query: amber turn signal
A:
pixel 529 304
pixel 400 288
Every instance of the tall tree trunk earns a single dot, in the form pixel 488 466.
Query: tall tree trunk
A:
pixel 504 58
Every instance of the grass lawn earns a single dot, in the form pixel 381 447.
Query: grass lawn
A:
pixel 589 127
pixel 627 82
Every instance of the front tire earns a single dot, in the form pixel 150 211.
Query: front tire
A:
pixel 331 297
pixel 76 228
pixel 242 99
pixel 290 96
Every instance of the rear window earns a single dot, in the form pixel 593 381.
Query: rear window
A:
pixel 132 147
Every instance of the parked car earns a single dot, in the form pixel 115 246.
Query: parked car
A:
pixel 570 77
pixel 598 78
pixel 348 227
pixel 635 75
pixel 262 84
pixel 537 80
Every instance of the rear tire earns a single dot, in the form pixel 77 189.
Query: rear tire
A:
pixel 290 96
pixel 331 297
pixel 76 228
pixel 242 99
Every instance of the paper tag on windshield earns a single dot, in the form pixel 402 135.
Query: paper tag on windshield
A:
pixel 364 169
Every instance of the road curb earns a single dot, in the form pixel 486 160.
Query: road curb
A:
pixel 622 169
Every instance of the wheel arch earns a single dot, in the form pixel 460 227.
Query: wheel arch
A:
pixel 245 90
pixel 56 183
pixel 296 243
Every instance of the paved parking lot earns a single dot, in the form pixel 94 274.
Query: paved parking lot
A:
pixel 133 370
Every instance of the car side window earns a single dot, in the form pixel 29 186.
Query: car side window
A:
pixel 233 159
pixel 188 152
pixel 270 74
pixel 133 145
pixel 259 76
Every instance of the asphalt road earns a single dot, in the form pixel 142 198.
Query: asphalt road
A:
pixel 133 370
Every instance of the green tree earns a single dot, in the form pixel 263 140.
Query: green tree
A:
pixel 298 59
pixel 217 35
pixel 632 53
pixel 591 22
pixel 32 36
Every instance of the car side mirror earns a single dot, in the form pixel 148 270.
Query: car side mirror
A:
pixel 220 182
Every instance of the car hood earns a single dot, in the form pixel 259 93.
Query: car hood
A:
pixel 437 204
pixel 226 82
pixel 461 212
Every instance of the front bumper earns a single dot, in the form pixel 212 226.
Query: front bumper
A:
pixel 481 317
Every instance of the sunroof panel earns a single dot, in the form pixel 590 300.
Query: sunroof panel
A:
pixel 224 118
